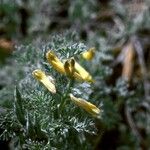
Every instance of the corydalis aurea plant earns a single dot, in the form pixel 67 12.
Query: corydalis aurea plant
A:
pixel 73 70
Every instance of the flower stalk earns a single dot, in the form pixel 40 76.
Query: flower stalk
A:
pixel 63 101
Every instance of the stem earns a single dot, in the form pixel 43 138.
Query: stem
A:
pixel 63 101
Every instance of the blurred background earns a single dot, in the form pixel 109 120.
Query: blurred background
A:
pixel 118 29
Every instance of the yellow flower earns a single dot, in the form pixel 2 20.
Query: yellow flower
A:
pixel 55 62
pixel 83 73
pixel 69 67
pixel 89 54
pixel 48 81
pixel 89 107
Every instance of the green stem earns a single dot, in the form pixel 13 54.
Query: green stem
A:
pixel 63 101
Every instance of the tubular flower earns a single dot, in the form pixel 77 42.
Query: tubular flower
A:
pixel 83 73
pixel 89 54
pixel 55 62
pixel 69 66
pixel 89 107
pixel 48 81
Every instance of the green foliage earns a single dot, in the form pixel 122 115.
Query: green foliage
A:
pixel 9 18
pixel 32 117
pixel 37 114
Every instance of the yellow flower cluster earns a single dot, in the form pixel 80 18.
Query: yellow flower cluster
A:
pixel 72 69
